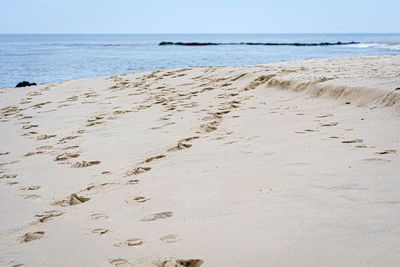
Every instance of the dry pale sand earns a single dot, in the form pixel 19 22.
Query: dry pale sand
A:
pixel 288 164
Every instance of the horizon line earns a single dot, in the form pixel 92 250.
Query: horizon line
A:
pixel 88 33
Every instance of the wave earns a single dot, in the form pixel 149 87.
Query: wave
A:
pixel 264 44
pixel 382 45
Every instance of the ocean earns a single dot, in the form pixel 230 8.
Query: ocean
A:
pixel 43 58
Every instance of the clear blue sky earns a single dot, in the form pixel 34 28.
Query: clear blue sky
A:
pixel 199 16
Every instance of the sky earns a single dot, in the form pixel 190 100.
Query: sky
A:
pixel 199 16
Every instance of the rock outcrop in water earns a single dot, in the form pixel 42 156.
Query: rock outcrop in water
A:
pixel 24 84
pixel 265 44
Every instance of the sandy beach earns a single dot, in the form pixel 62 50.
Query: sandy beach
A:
pixel 283 164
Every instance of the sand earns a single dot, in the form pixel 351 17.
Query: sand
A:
pixel 284 164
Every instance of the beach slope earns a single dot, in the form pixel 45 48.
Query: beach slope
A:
pixel 283 164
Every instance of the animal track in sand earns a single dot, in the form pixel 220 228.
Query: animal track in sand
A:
pixel 157 216
pixel 133 242
pixel 100 231
pixel 84 164
pixel 28 237
pixel 137 171
pixel 97 216
pixel 180 262
pixel 48 215
pixel 172 238
pixel 45 136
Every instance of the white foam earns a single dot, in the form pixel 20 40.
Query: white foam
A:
pixel 388 46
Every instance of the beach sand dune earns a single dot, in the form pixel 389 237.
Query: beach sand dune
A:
pixel 284 164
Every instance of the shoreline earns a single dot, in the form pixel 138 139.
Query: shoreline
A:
pixel 281 164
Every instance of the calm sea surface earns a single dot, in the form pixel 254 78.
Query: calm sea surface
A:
pixel 56 57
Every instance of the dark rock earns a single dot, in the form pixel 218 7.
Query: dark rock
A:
pixel 24 84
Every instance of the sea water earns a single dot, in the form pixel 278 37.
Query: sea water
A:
pixel 43 58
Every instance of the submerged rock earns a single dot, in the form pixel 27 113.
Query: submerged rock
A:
pixel 24 84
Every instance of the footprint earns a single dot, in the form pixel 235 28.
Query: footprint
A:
pixel 118 261
pixel 389 151
pixel 64 139
pixel 180 262
pixel 97 216
pixel 141 199
pixel 377 159
pixel 180 146
pixel 44 147
pixel 329 124
pixel 8 176
pixel 65 156
pixel 40 105
pixel 100 231
pixel 48 215
pixel 31 196
pixel 45 136
pixel 28 237
pixel 134 181
pixel 189 139
pixel 85 164
pixel 324 116
pixel 29 126
pixel 353 141
pixel 130 242
pixel 74 199
pixel 32 153
pixel 172 238
pixel 156 216
pixel 154 158
pixel 137 171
